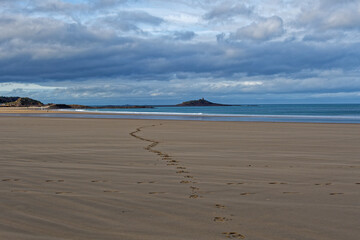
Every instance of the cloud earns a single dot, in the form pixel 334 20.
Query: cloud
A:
pixel 55 6
pixel 227 10
pixel 314 84
pixel 129 20
pixel 166 49
pixel 331 15
pixel 184 35
pixel 263 30
pixel 96 4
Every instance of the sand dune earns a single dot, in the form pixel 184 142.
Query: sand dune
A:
pixel 150 179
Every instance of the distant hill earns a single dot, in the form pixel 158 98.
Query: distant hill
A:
pixel 199 103
pixel 75 106
pixel 24 102
pixel 8 99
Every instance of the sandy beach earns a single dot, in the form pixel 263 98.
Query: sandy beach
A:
pixel 155 179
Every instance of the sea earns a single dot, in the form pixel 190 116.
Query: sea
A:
pixel 311 113
pixel 316 113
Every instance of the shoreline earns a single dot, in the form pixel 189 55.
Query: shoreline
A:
pixel 28 112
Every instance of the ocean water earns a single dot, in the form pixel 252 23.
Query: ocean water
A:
pixel 324 113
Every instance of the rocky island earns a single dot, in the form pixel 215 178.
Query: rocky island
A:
pixel 199 103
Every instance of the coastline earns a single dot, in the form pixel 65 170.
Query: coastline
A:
pixel 159 179
pixel 80 113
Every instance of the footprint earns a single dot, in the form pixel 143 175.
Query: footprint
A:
pixel 181 168
pixel 219 206
pixel 156 192
pixel 19 191
pixel 98 181
pixel 10 180
pixel 234 235
pixel 273 183
pixel 182 171
pixel 172 164
pixel 336 193
pixel 325 184
pixel 221 219
pixel 185 182
pixel 230 183
pixel 246 193
pixel 188 176
pixel 193 196
pixel 194 188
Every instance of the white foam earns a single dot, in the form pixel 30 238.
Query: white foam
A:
pixel 215 115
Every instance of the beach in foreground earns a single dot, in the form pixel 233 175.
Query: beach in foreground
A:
pixel 66 178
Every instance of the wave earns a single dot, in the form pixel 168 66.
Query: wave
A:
pixel 199 114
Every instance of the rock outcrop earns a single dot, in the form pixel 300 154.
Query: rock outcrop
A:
pixel 24 102
pixel 199 103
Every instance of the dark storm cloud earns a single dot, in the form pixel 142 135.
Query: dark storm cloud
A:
pixel 74 52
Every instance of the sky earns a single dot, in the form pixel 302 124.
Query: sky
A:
pixel 166 51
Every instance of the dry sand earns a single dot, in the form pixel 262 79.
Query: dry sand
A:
pixel 150 179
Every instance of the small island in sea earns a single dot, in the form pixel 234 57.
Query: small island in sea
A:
pixel 199 103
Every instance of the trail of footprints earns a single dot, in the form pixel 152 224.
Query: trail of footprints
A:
pixel 180 170
pixel 188 179
pixel 57 181
pixel 169 162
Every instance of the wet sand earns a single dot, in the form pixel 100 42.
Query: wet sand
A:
pixel 154 179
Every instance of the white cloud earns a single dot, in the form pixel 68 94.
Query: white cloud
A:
pixel 227 10
pixel 260 31
pixel 331 15
pixel 10 86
